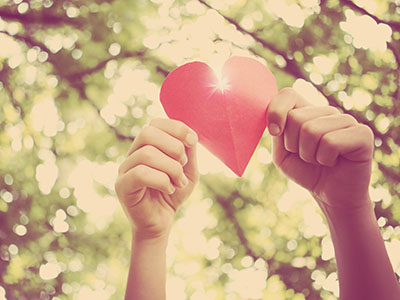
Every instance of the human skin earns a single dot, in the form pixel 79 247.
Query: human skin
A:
pixel 323 150
pixel 159 173
pixel 330 154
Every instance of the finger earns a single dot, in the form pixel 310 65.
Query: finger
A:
pixel 156 159
pixel 176 129
pixel 297 117
pixel 354 143
pixel 286 100
pixel 188 136
pixel 312 131
pixel 131 185
pixel 191 168
pixel 279 153
pixel 158 138
pixel 290 163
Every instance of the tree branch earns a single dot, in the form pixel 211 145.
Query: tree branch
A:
pixel 17 106
pixel 99 66
pixel 395 54
pixel 27 40
pixel 79 87
pixel 127 54
pixel 294 70
pixel 230 214
pixel 356 114
pixel 74 79
pixel 4 73
pixel 352 5
pixel 40 18
pixel 287 273
pixel 395 26
pixel 290 67
pixel 77 84
pixel 396 94
pixel 390 173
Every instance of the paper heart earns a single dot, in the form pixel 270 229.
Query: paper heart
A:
pixel 227 114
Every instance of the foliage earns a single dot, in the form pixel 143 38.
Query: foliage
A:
pixel 78 79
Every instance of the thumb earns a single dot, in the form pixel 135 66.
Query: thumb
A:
pixel 277 113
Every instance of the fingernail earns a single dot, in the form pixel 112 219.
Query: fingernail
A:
pixel 184 181
pixel 171 189
pixel 274 129
pixel 191 139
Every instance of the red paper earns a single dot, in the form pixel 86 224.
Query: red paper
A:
pixel 228 121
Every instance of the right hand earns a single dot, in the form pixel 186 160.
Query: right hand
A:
pixel 159 173
pixel 327 152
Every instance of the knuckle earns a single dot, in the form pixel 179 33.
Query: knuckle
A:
pixel 290 145
pixel 323 160
pixel 155 121
pixel 367 132
pixel 309 130
pixel 139 173
pixel 147 153
pixel 117 186
pixel 181 129
pixel 333 110
pixel 177 169
pixel 291 115
pixel 120 169
pixel 120 187
pixel 295 115
pixel 305 157
pixel 319 159
pixel 146 134
pixel 349 119
pixel 328 140
pixel 288 91
pixel 179 150
pixel 164 180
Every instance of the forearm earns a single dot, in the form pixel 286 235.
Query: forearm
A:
pixel 364 268
pixel 147 273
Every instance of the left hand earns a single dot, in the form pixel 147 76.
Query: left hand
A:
pixel 150 183
pixel 327 152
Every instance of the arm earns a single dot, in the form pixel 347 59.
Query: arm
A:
pixel 330 154
pixel 159 173
pixel 364 268
pixel 147 273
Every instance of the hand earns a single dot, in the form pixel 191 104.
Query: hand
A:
pixel 159 173
pixel 325 151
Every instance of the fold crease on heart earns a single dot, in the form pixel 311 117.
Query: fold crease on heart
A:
pixel 228 115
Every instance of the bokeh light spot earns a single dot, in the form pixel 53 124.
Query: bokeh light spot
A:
pixel 49 270
pixel 20 230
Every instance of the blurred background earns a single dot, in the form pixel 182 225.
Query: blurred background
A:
pixel 79 79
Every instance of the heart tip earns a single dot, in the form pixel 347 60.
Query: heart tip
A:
pixel 239 173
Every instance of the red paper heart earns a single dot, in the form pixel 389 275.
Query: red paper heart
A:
pixel 228 115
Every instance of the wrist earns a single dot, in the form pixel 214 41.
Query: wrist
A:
pixel 139 235
pixel 348 203
pixel 360 214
